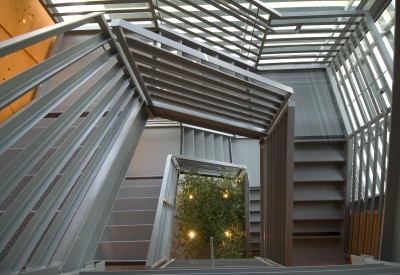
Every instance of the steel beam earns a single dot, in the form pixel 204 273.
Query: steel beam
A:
pixel 21 250
pixel 323 14
pixel 215 25
pixel 166 55
pixel 114 121
pixel 267 102
pixel 16 87
pixel 17 125
pixel 195 53
pixel 189 103
pixel 206 121
pixel 387 59
pixel 132 66
pixel 211 95
pixel 112 175
pixel 24 162
pixel 194 25
pixel 22 41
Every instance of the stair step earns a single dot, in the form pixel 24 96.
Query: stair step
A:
pixel 318 192
pixel 255 196
pixel 135 204
pixel 319 152
pixel 142 182
pixel 317 226
pixel 306 172
pixel 122 233
pixel 254 206
pixel 254 216
pixel 139 191
pixel 135 251
pixel 131 217
pixel 254 237
pixel 255 227
pixel 317 211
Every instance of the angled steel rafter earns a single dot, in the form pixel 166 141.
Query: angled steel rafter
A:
pixel 179 85
pixel 216 43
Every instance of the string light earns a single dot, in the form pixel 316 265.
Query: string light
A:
pixel 191 234
pixel 226 195
pixel 190 197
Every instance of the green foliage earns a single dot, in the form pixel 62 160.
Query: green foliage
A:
pixel 211 207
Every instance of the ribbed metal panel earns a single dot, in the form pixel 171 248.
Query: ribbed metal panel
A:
pixel 317 116
pixel 153 148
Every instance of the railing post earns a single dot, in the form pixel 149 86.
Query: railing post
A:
pixel 212 251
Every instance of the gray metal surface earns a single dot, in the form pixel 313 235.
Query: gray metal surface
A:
pixel 129 226
pixel 271 94
pixel 204 144
pixel 317 115
pixel 115 171
pixel 55 234
pixel 153 148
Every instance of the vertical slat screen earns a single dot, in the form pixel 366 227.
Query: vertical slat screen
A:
pixel 277 190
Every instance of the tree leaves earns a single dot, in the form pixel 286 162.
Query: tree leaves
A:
pixel 211 207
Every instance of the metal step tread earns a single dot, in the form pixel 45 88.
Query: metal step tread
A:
pixel 122 251
pixel 124 233
pixel 131 217
pixel 138 192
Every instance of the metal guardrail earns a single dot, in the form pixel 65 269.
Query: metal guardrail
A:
pixel 125 110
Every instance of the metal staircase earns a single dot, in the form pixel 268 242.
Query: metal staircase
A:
pixel 126 236
pixel 254 221
pixel 209 145
pixel 318 202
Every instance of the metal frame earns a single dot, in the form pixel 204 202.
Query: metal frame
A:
pixel 154 64
pixel 161 237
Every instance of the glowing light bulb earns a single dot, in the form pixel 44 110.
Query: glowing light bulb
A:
pixel 190 197
pixel 226 195
pixel 192 234
pixel 227 233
